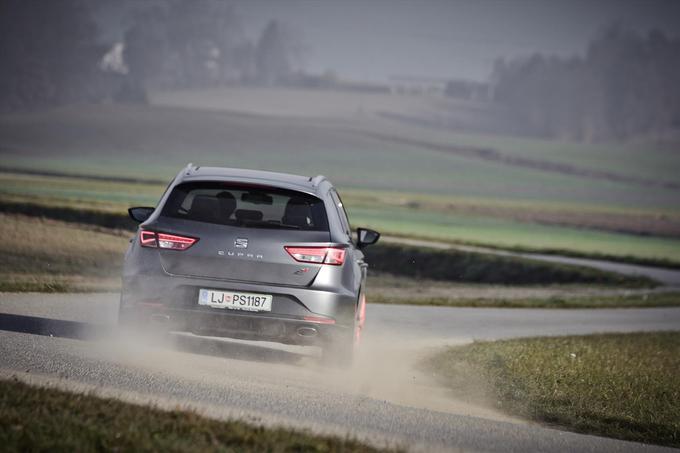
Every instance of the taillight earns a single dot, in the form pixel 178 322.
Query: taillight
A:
pixel 165 241
pixel 319 255
pixel 147 238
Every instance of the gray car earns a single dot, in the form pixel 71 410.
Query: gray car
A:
pixel 249 254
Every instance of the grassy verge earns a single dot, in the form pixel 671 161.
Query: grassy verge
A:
pixel 648 220
pixel 113 215
pixel 665 263
pixel 55 256
pixel 43 419
pixel 624 386
pixel 634 235
pixel 461 266
pixel 52 256
pixel 71 214
pixel 507 234
pixel 60 283
pixel 670 299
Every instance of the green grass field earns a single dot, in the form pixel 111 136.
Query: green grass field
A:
pixel 153 142
pixel 50 255
pixel 510 234
pixel 484 268
pixel 618 385
pixel 47 419
pixel 397 177
pixel 641 160
pixel 416 215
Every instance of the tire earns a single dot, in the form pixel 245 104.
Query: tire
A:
pixel 340 350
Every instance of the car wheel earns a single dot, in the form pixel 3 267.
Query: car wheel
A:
pixel 341 349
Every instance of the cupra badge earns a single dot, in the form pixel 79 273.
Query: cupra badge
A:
pixel 241 243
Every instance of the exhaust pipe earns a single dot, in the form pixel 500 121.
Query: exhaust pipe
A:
pixel 307 331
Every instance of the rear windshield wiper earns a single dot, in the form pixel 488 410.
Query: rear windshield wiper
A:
pixel 264 224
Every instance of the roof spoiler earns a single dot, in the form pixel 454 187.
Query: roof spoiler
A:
pixel 316 180
pixel 186 171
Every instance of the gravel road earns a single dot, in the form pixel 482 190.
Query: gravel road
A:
pixel 384 398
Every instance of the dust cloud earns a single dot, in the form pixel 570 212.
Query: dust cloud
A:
pixel 387 365
pixel 385 368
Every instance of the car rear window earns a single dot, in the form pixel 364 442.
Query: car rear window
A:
pixel 246 206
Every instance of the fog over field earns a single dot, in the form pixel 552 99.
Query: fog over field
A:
pixel 520 158
pixel 514 123
pixel 376 39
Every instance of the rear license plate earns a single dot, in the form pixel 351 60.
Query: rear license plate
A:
pixel 235 301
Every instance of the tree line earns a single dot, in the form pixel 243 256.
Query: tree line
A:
pixel 48 52
pixel 626 86
pixel 52 51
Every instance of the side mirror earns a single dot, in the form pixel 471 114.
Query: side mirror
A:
pixel 140 214
pixel 366 237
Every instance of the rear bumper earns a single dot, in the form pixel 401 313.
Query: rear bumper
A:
pixel 171 302
pixel 232 324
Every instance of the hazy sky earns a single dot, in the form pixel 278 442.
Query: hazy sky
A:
pixel 374 39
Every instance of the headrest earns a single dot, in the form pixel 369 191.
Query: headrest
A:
pixel 297 213
pixel 227 204
pixel 248 214
pixel 204 208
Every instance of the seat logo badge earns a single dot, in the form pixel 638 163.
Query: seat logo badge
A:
pixel 241 243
